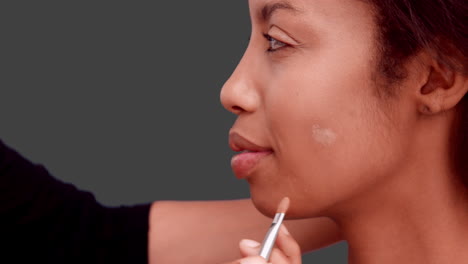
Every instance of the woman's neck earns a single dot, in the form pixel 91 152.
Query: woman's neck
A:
pixel 428 225
pixel 418 215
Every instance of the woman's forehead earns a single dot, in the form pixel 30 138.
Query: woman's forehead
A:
pixel 265 9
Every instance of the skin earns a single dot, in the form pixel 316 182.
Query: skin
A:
pixel 386 178
pixel 209 231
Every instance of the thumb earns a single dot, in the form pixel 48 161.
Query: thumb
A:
pixel 249 247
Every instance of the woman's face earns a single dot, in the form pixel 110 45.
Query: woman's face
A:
pixel 306 92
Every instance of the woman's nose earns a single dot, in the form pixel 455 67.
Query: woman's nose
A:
pixel 239 94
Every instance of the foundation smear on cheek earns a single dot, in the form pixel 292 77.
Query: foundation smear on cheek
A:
pixel 323 136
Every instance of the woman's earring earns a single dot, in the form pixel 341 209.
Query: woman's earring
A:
pixel 430 110
pixel 426 110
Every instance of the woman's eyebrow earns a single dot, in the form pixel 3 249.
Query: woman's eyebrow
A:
pixel 269 9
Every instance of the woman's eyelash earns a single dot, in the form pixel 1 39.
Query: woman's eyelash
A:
pixel 272 41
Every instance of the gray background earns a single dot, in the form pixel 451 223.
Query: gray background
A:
pixel 121 98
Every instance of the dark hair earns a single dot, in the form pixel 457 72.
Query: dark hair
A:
pixel 438 26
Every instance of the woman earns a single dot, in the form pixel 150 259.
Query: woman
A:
pixel 46 220
pixel 356 110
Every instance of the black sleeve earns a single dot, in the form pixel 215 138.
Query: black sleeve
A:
pixel 43 220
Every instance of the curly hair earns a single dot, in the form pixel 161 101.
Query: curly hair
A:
pixel 438 26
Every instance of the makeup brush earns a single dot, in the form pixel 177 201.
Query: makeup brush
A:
pixel 270 238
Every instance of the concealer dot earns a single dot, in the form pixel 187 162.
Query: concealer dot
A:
pixel 324 136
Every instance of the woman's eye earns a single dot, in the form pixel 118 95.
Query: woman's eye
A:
pixel 274 43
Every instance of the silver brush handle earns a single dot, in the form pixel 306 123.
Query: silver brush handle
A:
pixel 270 238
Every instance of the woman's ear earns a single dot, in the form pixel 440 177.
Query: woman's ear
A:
pixel 442 88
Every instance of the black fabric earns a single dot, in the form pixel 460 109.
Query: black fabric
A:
pixel 44 220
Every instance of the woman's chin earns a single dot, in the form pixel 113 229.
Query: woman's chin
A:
pixel 266 203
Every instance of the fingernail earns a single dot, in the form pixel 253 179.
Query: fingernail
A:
pixel 250 243
pixel 284 230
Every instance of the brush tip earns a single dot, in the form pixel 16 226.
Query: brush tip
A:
pixel 283 205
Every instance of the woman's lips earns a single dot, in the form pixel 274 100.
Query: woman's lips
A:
pixel 243 163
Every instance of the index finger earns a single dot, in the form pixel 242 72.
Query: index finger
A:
pixel 250 260
pixel 288 245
